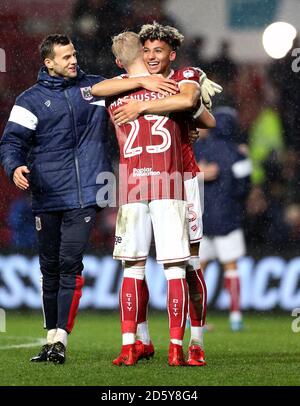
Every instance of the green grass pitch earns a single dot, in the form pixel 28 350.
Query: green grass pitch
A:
pixel 267 352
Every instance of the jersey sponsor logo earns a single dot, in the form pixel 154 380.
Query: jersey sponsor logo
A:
pixel 86 93
pixel 188 73
pixel 147 187
pixel 145 172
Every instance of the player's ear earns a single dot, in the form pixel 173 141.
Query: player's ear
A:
pixel 172 56
pixel 48 63
pixel 119 64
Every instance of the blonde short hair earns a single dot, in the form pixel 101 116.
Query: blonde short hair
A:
pixel 127 47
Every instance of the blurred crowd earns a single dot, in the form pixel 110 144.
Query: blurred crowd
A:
pixel 265 97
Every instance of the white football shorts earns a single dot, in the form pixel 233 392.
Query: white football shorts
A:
pixel 225 248
pixel 193 199
pixel 134 231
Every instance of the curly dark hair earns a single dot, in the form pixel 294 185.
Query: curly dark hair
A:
pixel 166 33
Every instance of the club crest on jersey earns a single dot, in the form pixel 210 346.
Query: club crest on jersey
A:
pixel 86 93
pixel 188 73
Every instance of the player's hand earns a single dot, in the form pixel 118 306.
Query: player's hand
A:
pixel 210 169
pixel 19 177
pixel 194 135
pixel 128 112
pixel 208 89
pixel 159 84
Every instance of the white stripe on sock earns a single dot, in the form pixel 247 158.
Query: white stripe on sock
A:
pixel 128 338
pixel 178 342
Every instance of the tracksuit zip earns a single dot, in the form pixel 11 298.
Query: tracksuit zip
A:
pixel 75 150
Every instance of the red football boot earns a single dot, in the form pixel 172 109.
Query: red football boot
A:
pixel 144 350
pixel 176 356
pixel 196 356
pixel 128 356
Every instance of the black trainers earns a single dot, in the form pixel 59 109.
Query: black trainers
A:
pixel 43 354
pixel 57 353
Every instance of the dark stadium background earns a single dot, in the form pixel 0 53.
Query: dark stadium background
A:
pixel 271 271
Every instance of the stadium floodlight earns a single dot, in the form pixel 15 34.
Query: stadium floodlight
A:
pixel 278 39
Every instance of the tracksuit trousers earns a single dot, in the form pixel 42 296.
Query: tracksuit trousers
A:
pixel 62 239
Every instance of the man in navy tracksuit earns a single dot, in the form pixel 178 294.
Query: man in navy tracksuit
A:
pixel 227 182
pixel 55 144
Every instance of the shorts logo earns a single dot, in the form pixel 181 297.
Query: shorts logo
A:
pixel 47 103
pixel 38 223
pixel 86 93
pixel 118 240
pixel 188 73
pixel 87 219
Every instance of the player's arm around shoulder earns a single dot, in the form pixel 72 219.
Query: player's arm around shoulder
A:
pixel 185 99
pixel 132 109
pixel 189 93
pixel 188 81
pixel 115 86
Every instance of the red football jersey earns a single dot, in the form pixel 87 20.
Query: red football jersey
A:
pixel 189 162
pixel 150 153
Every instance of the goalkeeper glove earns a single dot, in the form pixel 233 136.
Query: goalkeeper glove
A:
pixel 208 89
